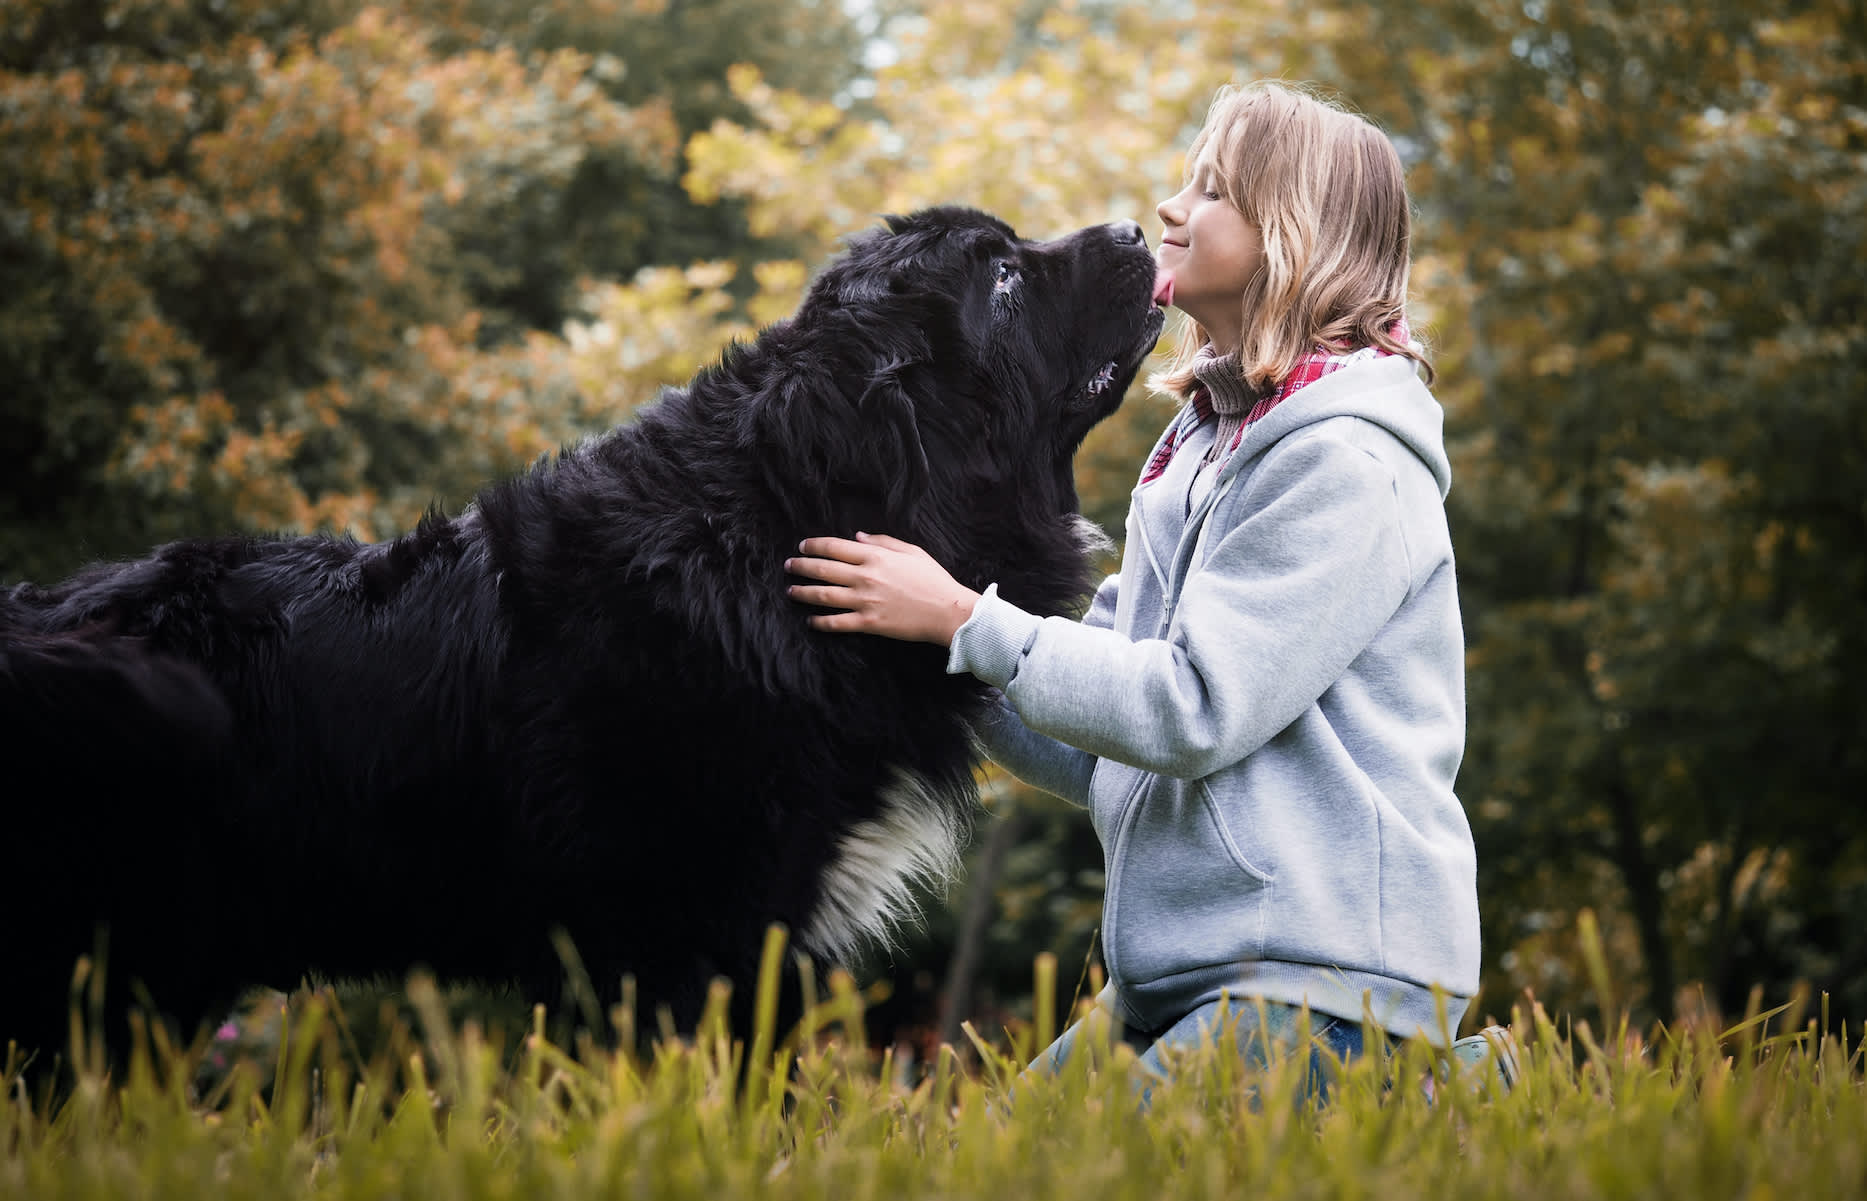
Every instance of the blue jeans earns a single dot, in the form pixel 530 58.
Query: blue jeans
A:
pixel 1257 1026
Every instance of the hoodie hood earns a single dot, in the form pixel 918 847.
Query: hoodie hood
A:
pixel 1387 391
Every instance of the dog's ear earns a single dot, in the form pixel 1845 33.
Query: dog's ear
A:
pixel 856 288
pixel 863 274
pixel 885 263
pixel 855 444
pixel 885 283
pixel 886 412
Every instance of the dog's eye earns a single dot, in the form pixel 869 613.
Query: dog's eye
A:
pixel 1003 275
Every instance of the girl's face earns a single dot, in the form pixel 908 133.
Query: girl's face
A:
pixel 1211 251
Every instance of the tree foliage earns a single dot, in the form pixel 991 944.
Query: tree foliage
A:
pixel 289 266
pixel 1655 223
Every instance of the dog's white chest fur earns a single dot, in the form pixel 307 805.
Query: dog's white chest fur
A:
pixel 868 889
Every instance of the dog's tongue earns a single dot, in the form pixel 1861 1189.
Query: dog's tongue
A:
pixel 1163 287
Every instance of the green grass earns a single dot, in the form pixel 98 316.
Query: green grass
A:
pixel 1775 1107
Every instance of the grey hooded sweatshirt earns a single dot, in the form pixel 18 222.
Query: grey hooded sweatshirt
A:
pixel 1264 713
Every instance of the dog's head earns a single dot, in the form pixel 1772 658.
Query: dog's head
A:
pixel 971 363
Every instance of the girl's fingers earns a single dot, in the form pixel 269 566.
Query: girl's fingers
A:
pixel 837 623
pixel 831 571
pixel 834 548
pixel 824 595
pixel 887 542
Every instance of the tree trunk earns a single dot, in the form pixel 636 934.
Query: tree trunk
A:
pixel 1643 889
pixel 956 997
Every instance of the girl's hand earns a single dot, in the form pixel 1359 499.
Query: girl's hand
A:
pixel 888 587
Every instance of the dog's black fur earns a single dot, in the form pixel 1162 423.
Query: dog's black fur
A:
pixel 586 703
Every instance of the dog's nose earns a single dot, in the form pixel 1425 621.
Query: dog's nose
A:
pixel 1127 231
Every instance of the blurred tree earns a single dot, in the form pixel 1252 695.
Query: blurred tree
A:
pixel 270 266
pixel 1648 225
pixel 527 245
pixel 224 299
pixel 1744 566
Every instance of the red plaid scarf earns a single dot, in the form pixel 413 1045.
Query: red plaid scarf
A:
pixel 1199 403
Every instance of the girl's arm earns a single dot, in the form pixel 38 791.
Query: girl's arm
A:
pixel 1285 601
pixel 898 589
pixel 1283 604
pixel 1038 759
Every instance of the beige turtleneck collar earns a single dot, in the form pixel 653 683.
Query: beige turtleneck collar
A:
pixel 1230 395
pixel 1224 382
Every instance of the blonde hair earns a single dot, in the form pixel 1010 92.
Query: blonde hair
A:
pixel 1327 193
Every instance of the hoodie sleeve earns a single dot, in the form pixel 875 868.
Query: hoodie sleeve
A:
pixel 1287 598
pixel 1037 759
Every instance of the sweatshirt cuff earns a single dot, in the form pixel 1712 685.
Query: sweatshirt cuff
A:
pixel 992 642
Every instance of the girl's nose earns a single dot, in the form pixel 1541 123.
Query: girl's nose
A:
pixel 1168 211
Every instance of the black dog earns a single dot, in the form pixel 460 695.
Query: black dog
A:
pixel 585 704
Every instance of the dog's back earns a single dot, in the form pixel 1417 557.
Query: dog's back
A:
pixel 249 759
pixel 228 759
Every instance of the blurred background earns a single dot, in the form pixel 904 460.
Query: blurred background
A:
pixel 313 264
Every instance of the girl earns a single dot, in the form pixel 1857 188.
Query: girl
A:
pixel 1264 711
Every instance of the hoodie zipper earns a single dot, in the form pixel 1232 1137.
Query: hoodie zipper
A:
pixel 1193 533
pixel 1127 814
